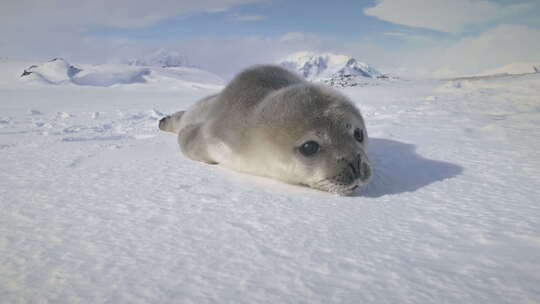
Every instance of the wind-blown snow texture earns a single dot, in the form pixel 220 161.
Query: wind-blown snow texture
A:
pixel 98 206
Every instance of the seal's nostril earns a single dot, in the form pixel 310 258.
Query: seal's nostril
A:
pixel 366 171
pixel 354 170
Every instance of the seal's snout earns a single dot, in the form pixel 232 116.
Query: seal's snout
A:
pixel 365 171
pixel 360 168
pixel 355 171
pixel 356 166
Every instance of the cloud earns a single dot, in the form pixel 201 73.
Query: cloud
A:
pixel 502 45
pixel 409 37
pixel 82 15
pixel 443 15
pixel 37 30
pixel 296 36
pixel 237 17
pixel 227 56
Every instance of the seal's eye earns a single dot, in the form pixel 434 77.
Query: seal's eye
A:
pixel 309 148
pixel 359 135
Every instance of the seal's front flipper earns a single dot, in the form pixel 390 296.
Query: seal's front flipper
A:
pixel 171 123
pixel 194 144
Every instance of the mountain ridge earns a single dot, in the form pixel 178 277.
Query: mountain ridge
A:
pixel 333 69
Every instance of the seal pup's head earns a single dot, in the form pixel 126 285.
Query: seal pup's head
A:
pixel 313 136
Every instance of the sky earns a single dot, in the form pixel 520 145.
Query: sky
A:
pixel 415 38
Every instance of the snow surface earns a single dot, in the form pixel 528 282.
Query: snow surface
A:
pixel 99 206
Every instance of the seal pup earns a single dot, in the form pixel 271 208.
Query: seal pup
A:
pixel 270 122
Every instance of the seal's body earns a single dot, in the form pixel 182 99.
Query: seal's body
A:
pixel 270 122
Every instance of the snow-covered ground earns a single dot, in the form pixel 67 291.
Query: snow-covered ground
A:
pixel 99 206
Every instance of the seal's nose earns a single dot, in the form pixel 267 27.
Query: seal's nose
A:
pixel 366 171
pixel 360 168
pixel 354 170
pixel 355 166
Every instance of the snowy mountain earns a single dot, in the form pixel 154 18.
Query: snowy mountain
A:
pixel 55 71
pixel 162 58
pixel 333 69
pixel 58 71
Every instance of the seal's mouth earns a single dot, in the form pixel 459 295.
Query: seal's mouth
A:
pixel 347 181
pixel 335 187
pixel 349 190
pixel 343 190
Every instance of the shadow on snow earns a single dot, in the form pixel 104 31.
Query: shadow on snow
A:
pixel 398 168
